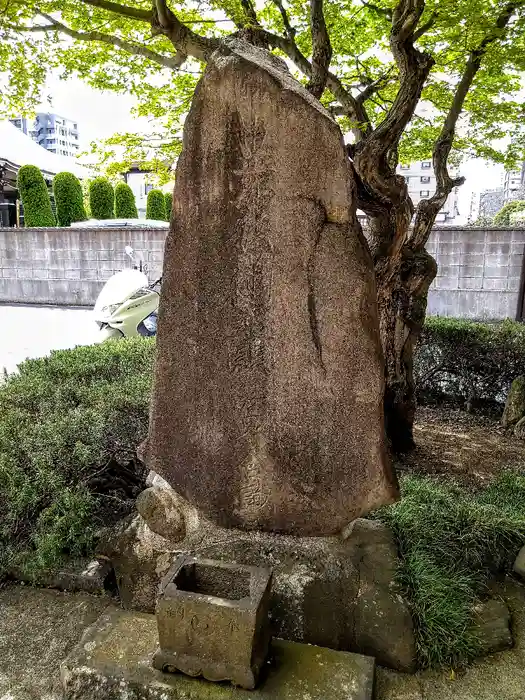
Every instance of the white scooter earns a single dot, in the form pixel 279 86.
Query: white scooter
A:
pixel 127 305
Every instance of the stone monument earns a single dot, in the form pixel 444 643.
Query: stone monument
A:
pixel 267 408
pixel 266 439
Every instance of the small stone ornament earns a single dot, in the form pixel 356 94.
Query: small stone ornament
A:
pixel 213 621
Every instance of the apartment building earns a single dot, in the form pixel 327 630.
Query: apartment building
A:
pixel 51 131
pixel 421 182
pixel 491 201
pixel 514 184
pixel 25 125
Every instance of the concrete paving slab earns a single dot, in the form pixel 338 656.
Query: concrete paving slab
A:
pixel 113 660
pixel 38 628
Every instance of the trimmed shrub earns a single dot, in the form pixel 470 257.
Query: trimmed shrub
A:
pixel 168 199
pixel 35 197
pixel 69 428
pixel 69 199
pixel 502 218
pixel 467 361
pixel 451 543
pixel 101 198
pixel 125 207
pixel 156 205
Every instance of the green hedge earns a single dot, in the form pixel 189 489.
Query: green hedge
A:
pixel 468 361
pixel 69 428
pixel 156 205
pixel 35 197
pixel 125 207
pixel 168 199
pixel 101 198
pixel 451 544
pixel 69 199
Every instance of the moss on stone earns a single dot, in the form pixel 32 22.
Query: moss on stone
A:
pixel 515 405
pixel 113 661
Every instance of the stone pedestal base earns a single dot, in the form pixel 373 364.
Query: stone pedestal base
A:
pixel 336 592
pixel 113 661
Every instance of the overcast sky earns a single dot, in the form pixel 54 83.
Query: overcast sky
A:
pixel 101 114
pixel 98 114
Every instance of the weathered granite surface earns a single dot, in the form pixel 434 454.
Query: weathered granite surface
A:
pixel 491 625
pixel 212 618
pixel 85 574
pixel 38 628
pixel 519 564
pixel 267 408
pixel 158 507
pixel 44 625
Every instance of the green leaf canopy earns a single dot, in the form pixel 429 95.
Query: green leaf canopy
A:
pixel 111 46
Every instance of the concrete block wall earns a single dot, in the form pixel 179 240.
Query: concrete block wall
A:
pixel 479 272
pixel 68 266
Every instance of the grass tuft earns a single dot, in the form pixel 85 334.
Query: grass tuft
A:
pixel 451 542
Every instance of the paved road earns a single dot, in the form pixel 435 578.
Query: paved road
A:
pixel 33 331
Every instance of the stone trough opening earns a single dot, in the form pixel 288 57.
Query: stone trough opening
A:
pixel 204 603
pixel 207 579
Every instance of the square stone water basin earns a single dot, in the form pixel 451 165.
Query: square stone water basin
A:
pixel 212 620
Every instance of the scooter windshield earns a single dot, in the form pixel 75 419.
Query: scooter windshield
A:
pixel 120 287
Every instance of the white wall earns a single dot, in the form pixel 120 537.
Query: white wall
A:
pixel 140 188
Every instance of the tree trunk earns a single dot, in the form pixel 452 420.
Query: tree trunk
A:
pixel 403 279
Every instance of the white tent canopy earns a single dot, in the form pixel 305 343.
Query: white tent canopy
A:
pixel 19 149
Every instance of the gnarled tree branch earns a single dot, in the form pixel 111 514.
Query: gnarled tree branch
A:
pixel 162 20
pixel 123 10
pixel 414 67
pixel 134 49
pixel 353 109
pixel 249 11
pixel 289 30
pixel 187 42
pixel 423 29
pixel 35 29
pixel 428 208
pixel 321 49
pixel 163 15
pixel 385 11
pixel 374 87
pixel 373 161
pixel 250 29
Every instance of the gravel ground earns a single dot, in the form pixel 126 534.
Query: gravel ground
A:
pixel 471 448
